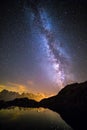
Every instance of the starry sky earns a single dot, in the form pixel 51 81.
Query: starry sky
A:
pixel 43 44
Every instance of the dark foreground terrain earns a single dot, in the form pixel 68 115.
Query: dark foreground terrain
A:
pixel 71 103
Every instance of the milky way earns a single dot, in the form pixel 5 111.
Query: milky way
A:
pixel 59 60
pixel 43 44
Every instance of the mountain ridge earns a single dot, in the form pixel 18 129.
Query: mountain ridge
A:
pixel 70 103
pixel 7 95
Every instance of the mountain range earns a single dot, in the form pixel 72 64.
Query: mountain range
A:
pixel 6 95
pixel 70 103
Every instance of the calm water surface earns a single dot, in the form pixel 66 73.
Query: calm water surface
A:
pixel 19 118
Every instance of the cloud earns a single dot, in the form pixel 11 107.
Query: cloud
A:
pixel 1 87
pixel 30 87
pixel 14 87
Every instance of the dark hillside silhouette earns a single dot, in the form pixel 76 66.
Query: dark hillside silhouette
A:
pixel 71 103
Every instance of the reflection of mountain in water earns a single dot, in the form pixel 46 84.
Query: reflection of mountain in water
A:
pixel 19 118
pixel 71 103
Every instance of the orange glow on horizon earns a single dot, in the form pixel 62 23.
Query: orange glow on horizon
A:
pixel 13 87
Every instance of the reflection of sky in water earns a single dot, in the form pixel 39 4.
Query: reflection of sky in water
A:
pixel 31 118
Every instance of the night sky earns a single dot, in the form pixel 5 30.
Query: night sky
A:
pixel 43 44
